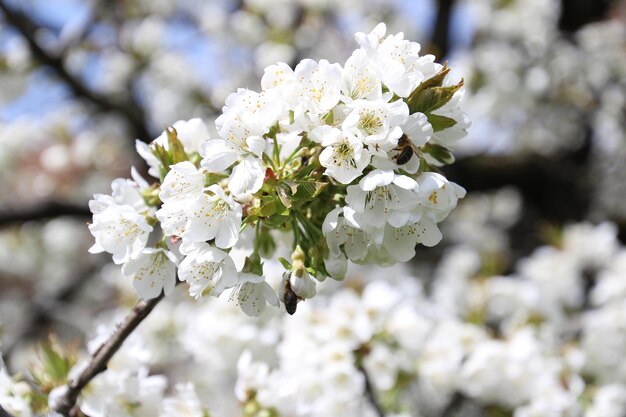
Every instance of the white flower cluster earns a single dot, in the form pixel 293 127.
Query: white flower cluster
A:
pixel 537 343
pixel 337 156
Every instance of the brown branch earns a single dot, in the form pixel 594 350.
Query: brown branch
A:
pixel 128 109
pixel 44 211
pixel 66 403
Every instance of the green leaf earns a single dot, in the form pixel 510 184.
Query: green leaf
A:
pixel 430 99
pixel 267 206
pixel 434 81
pixel 293 186
pixel 440 123
pixel 284 196
pixel 308 190
pixel 439 153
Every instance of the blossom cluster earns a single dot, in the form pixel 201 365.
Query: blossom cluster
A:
pixel 529 343
pixel 341 160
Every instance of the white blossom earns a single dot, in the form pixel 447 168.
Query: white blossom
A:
pixel 121 231
pixel 207 270
pixel 252 294
pixel 153 272
pixel 214 215
pixel 343 156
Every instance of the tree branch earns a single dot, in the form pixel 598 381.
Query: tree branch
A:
pixel 128 109
pixel 453 405
pixel 440 39
pixel 41 212
pixel 370 394
pixel 66 402
pixel 43 315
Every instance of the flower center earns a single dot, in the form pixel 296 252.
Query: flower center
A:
pixel 369 122
pixel 344 152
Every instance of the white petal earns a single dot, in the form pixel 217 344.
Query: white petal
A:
pixel 218 155
pixel 247 176
pixel 182 180
pixel 376 178
pixel 228 233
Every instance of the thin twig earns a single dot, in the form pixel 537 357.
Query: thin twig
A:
pixel 369 391
pixel 129 109
pixel 67 401
pixel 43 211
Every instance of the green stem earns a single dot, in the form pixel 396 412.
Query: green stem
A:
pixel 276 152
pixel 290 157
pixel 296 230
pixel 257 234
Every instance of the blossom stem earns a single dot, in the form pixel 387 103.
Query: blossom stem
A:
pixel 296 231
pixel 276 152
pixel 290 157
pixel 66 402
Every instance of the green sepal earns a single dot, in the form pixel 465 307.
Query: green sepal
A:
pixel 151 195
pixel 177 149
pixel 285 263
pixel 273 131
pixel 211 178
pixel 329 118
pixel 265 243
pixel 161 154
pixel 253 264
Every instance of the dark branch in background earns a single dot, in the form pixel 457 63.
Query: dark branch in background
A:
pixel 66 403
pixel 45 211
pixel 370 393
pixel 555 186
pixel 44 311
pixel 128 108
pixel 554 191
pixel 82 32
pixel 453 405
pixel 5 413
pixel 577 13
pixel 440 39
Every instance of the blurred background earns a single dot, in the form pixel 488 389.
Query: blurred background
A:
pixel 81 80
